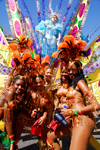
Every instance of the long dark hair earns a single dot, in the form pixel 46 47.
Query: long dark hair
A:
pixel 80 75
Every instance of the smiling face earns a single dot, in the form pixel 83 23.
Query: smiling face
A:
pixel 72 71
pixel 39 83
pixel 48 75
pixel 19 86
pixel 64 74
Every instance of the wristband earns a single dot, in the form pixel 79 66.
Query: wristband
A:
pixel 59 105
pixel 80 112
pixel 11 136
pixel 12 142
pixel 71 112
pixel 75 111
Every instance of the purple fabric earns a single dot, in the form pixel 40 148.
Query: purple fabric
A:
pixel 98 40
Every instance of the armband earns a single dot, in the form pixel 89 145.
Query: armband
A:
pixel 75 111
pixel 12 142
pixel 89 96
pixel 50 144
pixel 71 112
pixel 80 112
pixel 11 136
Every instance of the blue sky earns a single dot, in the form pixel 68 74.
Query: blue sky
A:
pixel 92 22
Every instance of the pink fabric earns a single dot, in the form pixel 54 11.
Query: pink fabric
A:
pixel 36 128
pixel 54 125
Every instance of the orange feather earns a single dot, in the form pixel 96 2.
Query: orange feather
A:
pixel 16 56
pixel 55 54
pixel 63 45
pixel 38 58
pixel 12 47
pixel 26 55
pixel 46 59
pixel 29 42
pixel 21 37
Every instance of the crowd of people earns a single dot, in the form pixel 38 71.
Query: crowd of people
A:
pixel 30 99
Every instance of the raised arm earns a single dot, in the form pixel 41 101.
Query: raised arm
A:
pixel 91 102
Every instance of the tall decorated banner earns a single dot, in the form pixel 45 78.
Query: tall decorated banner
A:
pixel 14 17
pixel 80 18
pixel 29 33
pixel 5 60
pixel 28 27
pixel 91 67
pixel 93 47
pixel 4 53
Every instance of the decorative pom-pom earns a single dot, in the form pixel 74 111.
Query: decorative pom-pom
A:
pixel 64 19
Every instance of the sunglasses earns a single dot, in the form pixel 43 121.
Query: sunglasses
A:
pixel 72 69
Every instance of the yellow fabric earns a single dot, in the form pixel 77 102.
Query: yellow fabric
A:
pixel 93 46
pixel 6 55
pixel 58 73
pixel 94 84
pixel 3 47
pixel 93 141
pixel 1 125
pixel 2 82
pixel 9 58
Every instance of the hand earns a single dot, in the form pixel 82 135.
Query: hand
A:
pixel 37 31
pixel 34 113
pixel 65 112
pixel 5 90
pixel 68 119
pixel 41 120
pixel 49 126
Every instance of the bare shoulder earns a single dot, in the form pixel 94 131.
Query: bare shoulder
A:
pixel 82 86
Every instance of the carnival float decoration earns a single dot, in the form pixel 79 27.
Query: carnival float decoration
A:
pixel 49 31
pixel 91 67
pixel 16 21
pixel 17 27
pixel 5 60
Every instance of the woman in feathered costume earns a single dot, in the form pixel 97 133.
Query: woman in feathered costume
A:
pixel 25 67
pixel 80 119
pixel 22 61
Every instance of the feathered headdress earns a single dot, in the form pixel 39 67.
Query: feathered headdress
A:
pixel 23 63
pixel 70 49
pixel 42 63
pixel 21 44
